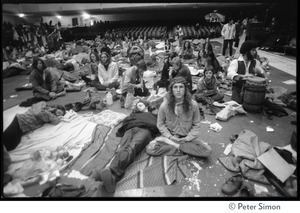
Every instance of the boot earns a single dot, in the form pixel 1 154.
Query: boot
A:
pixel 73 88
pixel 122 101
pixel 87 98
pixel 109 180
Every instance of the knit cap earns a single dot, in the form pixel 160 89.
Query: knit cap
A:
pixel 247 46
pixel 177 80
pixel 136 49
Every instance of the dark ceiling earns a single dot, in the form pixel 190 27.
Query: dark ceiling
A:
pixel 139 8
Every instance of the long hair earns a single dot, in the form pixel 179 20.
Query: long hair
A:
pixel 35 63
pixel 204 54
pixel 208 47
pixel 62 108
pixel 96 55
pixel 187 99
pixel 211 57
pixel 108 57
pixel 189 45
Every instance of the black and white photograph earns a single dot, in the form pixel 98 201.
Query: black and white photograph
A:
pixel 165 100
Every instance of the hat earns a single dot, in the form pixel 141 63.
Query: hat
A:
pixel 177 80
pixel 136 49
pixel 247 46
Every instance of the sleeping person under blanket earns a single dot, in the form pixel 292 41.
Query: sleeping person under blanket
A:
pixel 39 114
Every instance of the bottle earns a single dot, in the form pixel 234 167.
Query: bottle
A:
pixel 129 98
pixel 109 98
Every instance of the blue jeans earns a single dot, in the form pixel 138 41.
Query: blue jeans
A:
pixel 225 44
pixel 132 143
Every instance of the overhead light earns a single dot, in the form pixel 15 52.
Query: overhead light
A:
pixel 86 16
pixel 21 15
pixel 58 17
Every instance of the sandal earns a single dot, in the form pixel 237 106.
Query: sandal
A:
pixel 232 185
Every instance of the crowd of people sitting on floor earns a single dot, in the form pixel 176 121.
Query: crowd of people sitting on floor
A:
pixel 110 63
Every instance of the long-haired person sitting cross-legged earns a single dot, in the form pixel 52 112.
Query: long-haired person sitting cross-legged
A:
pixel 45 85
pixel 107 73
pixel 179 118
pixel 39 114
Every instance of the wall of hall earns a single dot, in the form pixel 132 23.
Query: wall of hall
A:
pixel 161 16
pixel 17 20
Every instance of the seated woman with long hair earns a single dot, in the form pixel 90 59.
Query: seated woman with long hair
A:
pixel 45 85
pixel 201 59
pixel 187 50
pixel 108 73
pixel 164 80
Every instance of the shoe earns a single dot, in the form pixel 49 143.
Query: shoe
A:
pixel 122 102
pixel 73 89
pixel 245 192
pixel 69 106
pixel 96 175
pixel 232 185
pixel 77 106
pixel 87 98
pixel 108 179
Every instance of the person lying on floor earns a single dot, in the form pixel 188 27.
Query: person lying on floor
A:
pixel 108 73
pixel 137 130
pixel 207 87
pixel 34 118
pixel 179 118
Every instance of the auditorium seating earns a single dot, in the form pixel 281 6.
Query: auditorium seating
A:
pixel 150 31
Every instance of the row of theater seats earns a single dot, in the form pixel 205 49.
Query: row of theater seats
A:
pixel 203 32
pixel 152 32
pixel 156 32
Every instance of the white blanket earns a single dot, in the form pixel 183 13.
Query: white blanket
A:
pixel 73 135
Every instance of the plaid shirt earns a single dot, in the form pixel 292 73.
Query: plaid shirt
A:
pixel 36 117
